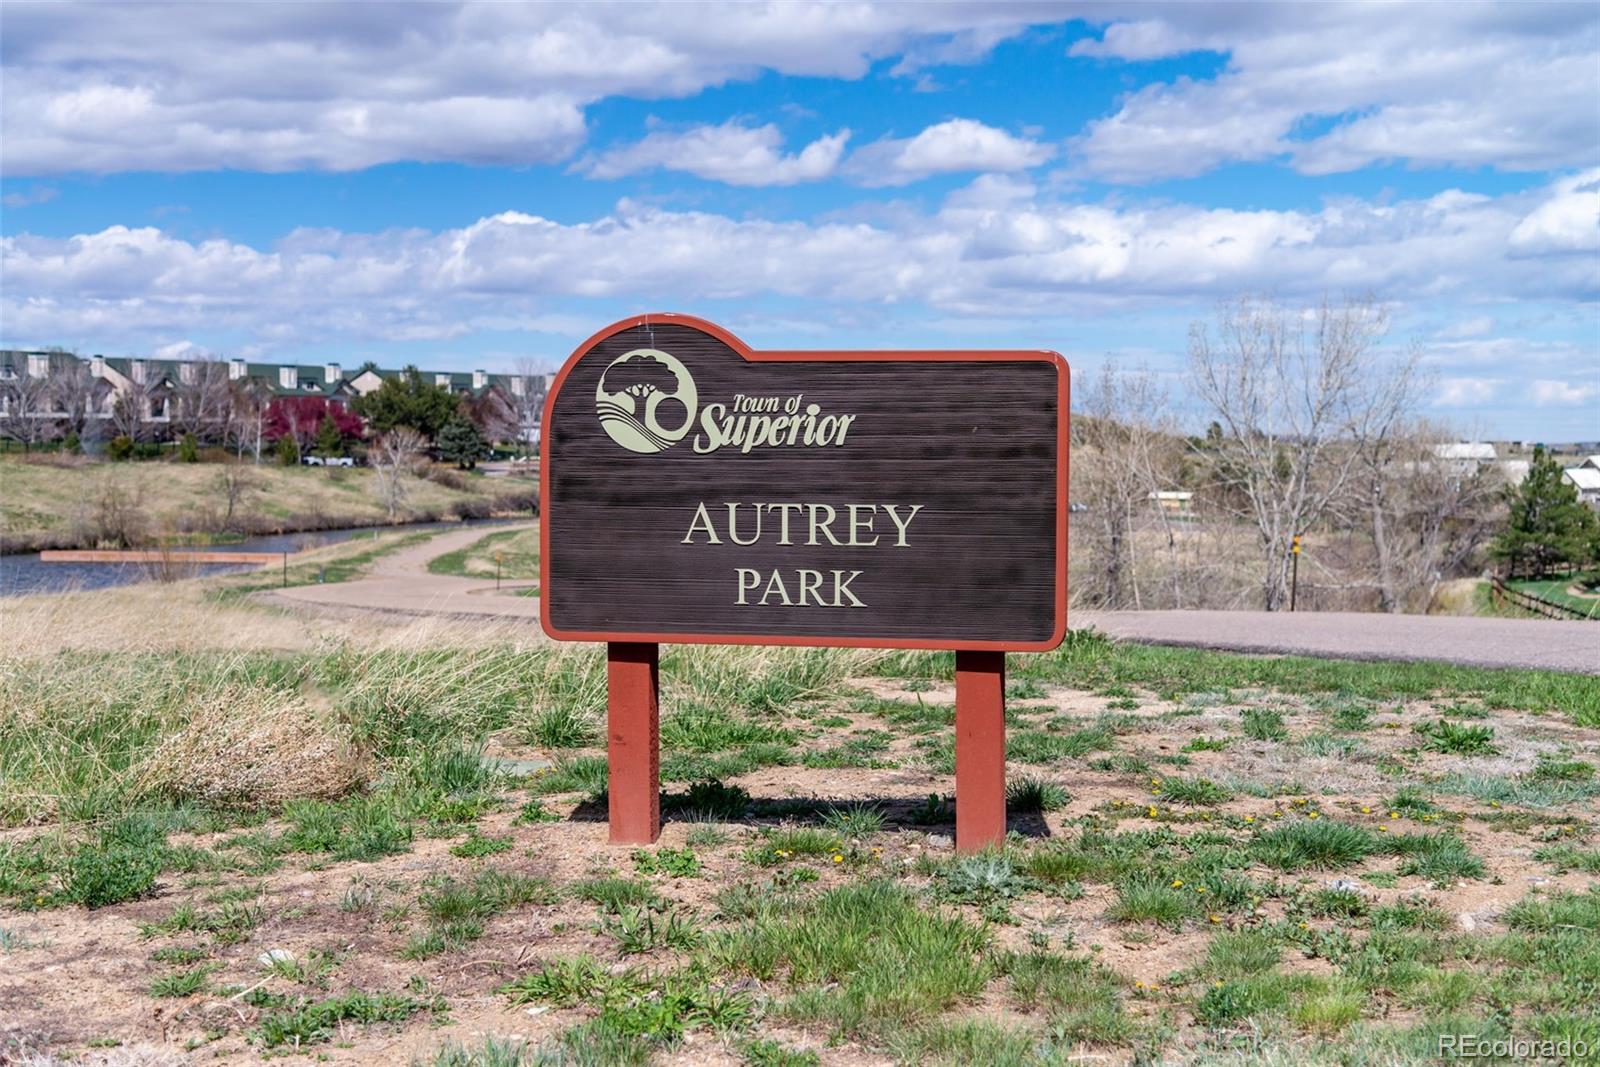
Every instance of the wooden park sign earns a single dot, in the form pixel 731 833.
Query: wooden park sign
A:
pixel 694 490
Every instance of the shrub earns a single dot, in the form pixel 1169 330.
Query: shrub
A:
pixel 120 448
pixel 1195 791
pixel 98 876
pixel 250 746
pixel 1458 738
pixel 1264 724
pixel 1322 845
pixel 1031 795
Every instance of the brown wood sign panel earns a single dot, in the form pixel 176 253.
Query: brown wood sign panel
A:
pixel 693 490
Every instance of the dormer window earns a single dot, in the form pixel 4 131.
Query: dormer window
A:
pixel 38 366
pixel 442 380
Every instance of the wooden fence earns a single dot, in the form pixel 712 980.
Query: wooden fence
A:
pixel 1536 604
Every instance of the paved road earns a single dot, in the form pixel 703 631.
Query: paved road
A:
pixel 1484 642
pixel 400 584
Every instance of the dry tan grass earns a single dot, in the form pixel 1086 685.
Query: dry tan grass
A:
pixel 242 746
pixel 141 618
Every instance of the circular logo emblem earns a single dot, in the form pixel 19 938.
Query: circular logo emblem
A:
pixel 646 400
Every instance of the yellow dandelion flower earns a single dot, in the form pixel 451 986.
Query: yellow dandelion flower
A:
pixel 1249 818
pixel 1305 926
pixel 1365 810
pixel 1383 828
pixel 838 858
pixel 1214 917
pixel 1199 889
pixel 1394 815
pixel 1177 883
pixel 1313 815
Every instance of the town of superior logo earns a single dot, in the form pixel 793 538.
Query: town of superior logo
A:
pixel 646 400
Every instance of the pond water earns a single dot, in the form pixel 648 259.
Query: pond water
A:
pixel 25 573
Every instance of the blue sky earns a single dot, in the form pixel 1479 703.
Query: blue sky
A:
pixel 466 186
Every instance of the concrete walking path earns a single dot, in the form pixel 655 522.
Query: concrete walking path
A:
pixel 400 584
pixel 1545 644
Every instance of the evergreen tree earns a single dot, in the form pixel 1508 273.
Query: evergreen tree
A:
pixel 288 452
pixel 461 443
pixel 329 441
pixel 189 449
pixel 407 400
pixel 1548 526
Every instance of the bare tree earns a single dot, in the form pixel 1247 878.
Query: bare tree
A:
pixel 1299 395
pixel 202 398
pixel 130 411
pixel 1126 443
pixel 25 403
pixel 1425 518
pixel 392 457
pixel 75 394
pixel 235 482
pixel 526 399
pixel 246 418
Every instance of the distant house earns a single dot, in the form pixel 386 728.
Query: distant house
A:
pixel 1586 477
pixel 155 393
pixel 1174 501
pixel 1464 457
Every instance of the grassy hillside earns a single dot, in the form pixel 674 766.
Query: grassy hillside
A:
pixel 53 503
pixel 1218 859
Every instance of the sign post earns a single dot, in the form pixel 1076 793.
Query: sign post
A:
pixel 1294 580
pixel 694 490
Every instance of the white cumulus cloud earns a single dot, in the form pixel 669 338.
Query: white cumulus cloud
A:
pixel 150 86
pixel 953 146
pixel 1547 392
pixel 1336 87
pixel 732 152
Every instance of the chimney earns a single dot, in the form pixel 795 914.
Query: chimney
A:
pixel 518 384
pixel 330 372
pixel 137 369
pixel 97 366
pixel 236 369
pixel 480 379
pixel 286 377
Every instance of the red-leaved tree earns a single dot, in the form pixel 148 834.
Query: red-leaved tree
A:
pixel 300 416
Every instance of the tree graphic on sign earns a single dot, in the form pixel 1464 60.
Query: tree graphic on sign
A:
pixel 630 398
